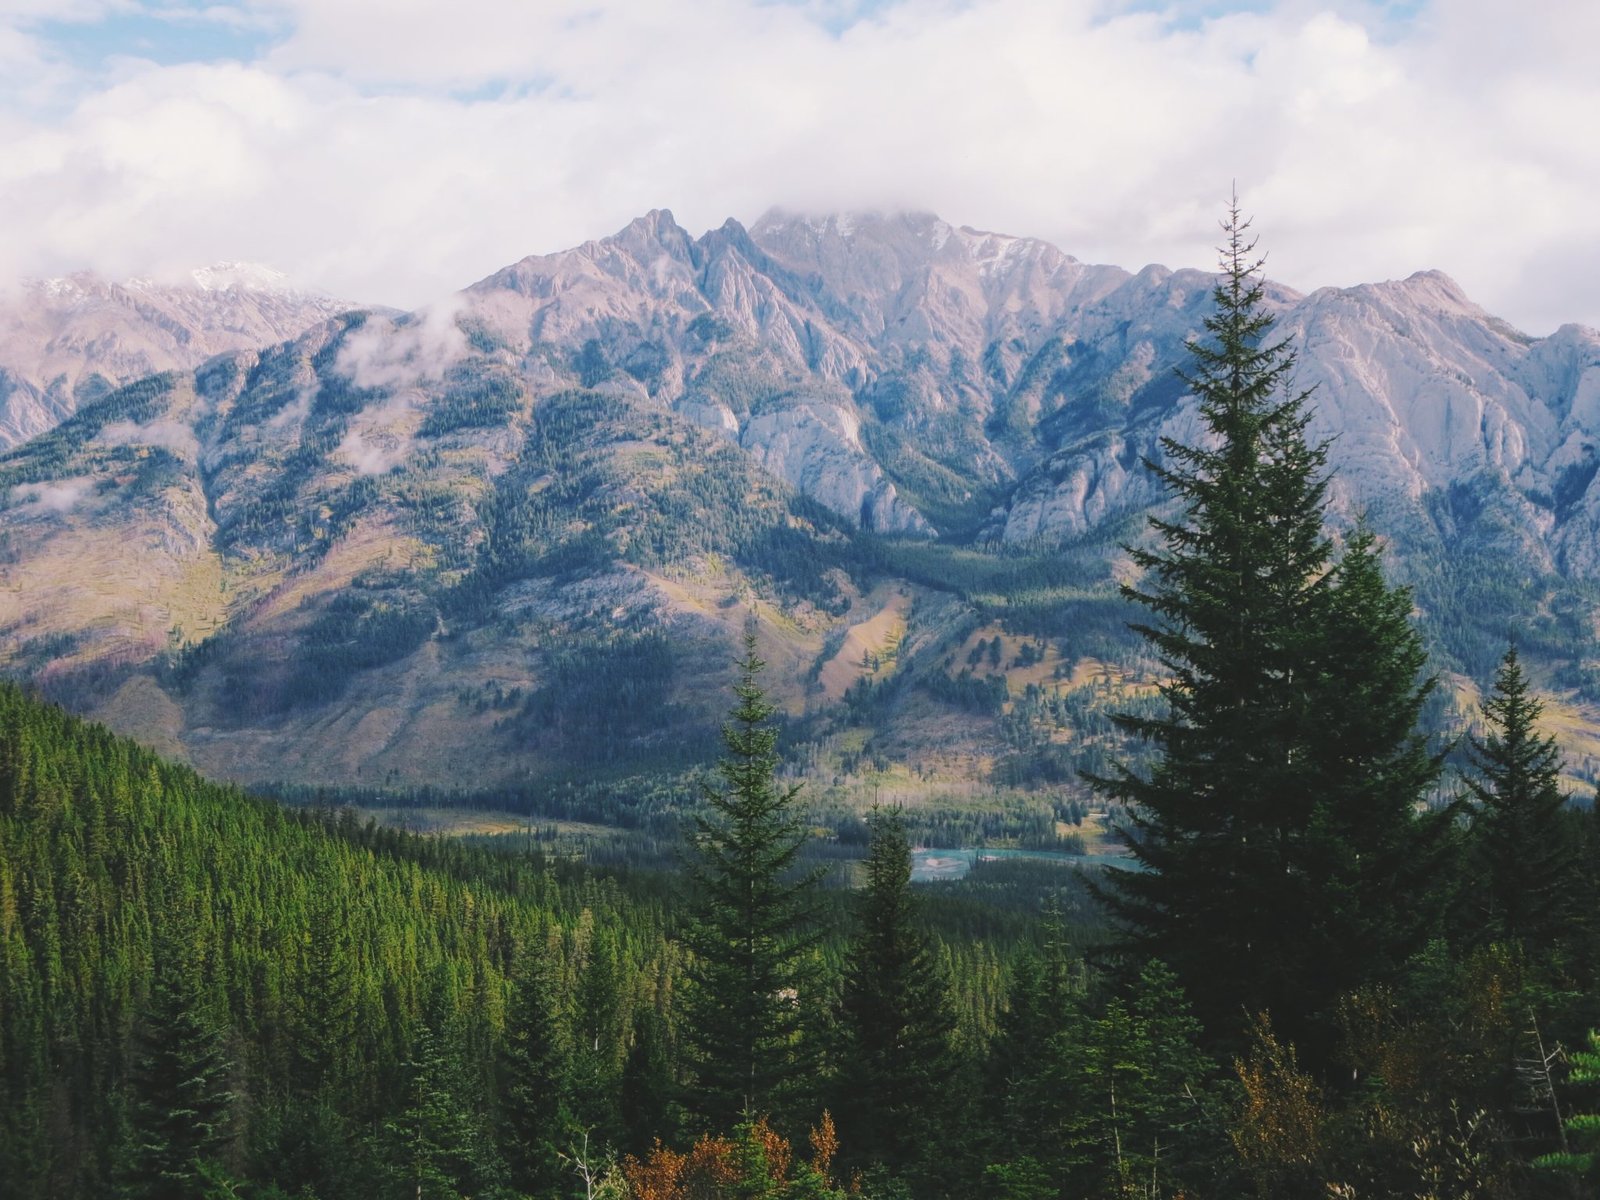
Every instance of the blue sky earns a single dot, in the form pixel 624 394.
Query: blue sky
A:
pixel 176 32
pixel 392 150
pixel 167 36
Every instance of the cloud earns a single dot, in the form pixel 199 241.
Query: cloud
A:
pixel 374 454
pixel 397 355
pixel 170 435
pixel 393 151
pixel 293 414
pixel 62 496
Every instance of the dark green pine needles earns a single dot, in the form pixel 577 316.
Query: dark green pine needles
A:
pixel 896 1054
pixel 1289 770
pixel 180 1103
pixel 1521 853
pixel 750 929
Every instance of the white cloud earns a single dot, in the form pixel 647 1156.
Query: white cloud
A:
pixel 60 497
pixel 294 414
pixel 384 354
pixel 392 150
pixel 374 454
pixel 171 435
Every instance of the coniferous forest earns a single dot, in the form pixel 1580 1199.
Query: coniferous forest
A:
pixel 1344 959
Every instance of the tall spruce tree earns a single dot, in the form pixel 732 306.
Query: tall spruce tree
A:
pixel 894 1016
pixel 1520 846
pixel 310 1135
pixel 438 1146
pixel 1291 694
pixel 533 1069
pixel 645 1094
pixel 1373 856
pixel 181 1104
pixel 748 928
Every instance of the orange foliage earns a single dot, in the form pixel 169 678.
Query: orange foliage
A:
pixel 824 1145
pixel 708 1172
pixel 776 1148
pixel 717 1168
pixel 1279 1132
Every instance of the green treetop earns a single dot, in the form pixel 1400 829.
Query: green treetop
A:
pixel 894 1016
pixel 748 926
pixel 1287 752
pixel 1520 849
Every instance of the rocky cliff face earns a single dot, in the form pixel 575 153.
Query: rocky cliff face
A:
pixel 335 558
pixel 916 377
pixel 1422 393
pixel 67 342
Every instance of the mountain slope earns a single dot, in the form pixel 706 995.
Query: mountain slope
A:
pixel 511 538
pixel 321 949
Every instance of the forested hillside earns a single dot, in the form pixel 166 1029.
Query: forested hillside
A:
pixel 204 994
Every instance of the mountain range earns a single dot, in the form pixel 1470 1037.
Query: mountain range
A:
pixel 508 539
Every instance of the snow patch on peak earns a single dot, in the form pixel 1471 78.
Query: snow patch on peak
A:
pixel 218 277
pixel 992 251
pixel 245 276
pixel 61 286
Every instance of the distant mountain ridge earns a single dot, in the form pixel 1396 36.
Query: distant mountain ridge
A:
pixel 515 533
pixel 962 351
pixel 68 341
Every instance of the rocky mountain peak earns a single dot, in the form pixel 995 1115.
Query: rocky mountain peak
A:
pixel 655 232
pixel 661 423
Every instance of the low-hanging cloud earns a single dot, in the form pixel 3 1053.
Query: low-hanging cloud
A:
pixel 396 169
pixel 371 454
pixel 293 414
pixel 169 435
pixel 59 496
pixel 395 355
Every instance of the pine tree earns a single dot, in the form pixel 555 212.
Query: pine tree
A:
pixel 1291 696
pixel 1027 1100
pixel 534 1121
pixel 894 1016
pixel 597 1040
pixel 1375 859
pixel 1520 845
pixel 180 1103
pixel 748 927
pixel 325 1000
pixel 436 1147
pixel 645 1097
pixel 311 1137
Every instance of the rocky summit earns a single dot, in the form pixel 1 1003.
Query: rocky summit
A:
pixel 515 533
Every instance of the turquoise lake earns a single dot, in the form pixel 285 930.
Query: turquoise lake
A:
pixel 929 864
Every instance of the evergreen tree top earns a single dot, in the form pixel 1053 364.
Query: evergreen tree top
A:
pixel 751 927
pixel 1283 857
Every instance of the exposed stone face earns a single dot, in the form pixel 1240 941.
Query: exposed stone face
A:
pixel 1420 391
pixel 860 356
pixel 604 445
pixel 815 446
